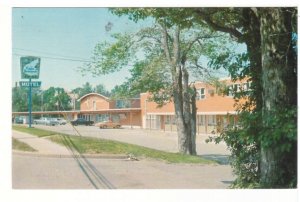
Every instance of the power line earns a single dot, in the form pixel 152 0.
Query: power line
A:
pixel 48 53
pixel 57 58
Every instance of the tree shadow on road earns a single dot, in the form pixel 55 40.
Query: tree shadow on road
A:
pixel 97 179
pixel 221 159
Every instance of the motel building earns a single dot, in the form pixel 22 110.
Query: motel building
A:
pixel 214 111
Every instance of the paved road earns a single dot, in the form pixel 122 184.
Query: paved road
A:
pixel 31 172
pixel 77 172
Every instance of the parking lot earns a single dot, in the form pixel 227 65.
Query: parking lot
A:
pixel 166 141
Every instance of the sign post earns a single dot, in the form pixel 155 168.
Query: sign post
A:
pixel 30 103
pixel 30 69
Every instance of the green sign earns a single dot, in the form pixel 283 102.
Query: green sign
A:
pixel 32 83
pixel 30 67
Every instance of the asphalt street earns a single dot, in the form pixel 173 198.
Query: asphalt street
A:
pixel 31 172
pixel 75 171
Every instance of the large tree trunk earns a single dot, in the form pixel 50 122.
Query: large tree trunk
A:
pixel 279 80
pixel 185 116
pixel 183 137
pixel 252 39
pixel 182 102
pixel 193 123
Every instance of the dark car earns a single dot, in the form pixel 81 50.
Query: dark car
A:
pixel 81 121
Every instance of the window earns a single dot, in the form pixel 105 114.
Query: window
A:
pixel 247 86
pixel 94 105
pixel 201 120
pixel 237 87
pixel 212 120
pixel 230 90
pixel 123 104
pixel 201 94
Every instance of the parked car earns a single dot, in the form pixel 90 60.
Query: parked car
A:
pixel 108 124
pixel 19 119
pixel 82 121
pixel 60 121
pixel 46 121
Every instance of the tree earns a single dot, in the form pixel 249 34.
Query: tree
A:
pixel 19 99
pixel 100 88
pixel 169 52
pixel 268 33
pixel 85 89
pixel 270 63
pixel 56 99
pixel 279 76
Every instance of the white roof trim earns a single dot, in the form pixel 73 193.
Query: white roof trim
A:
pixel 93 94
pixel 198 113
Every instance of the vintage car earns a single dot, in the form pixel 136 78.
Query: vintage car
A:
pixel 60 121
pixel 45 121
pixel 108 124
pixel 81 121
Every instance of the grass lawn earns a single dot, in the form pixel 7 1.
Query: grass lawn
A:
pixel 89 145
pixel 18 145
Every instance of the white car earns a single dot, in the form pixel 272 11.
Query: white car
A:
pixel 61 121
pixel 45 121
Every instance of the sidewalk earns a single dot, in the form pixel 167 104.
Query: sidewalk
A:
pixel 48 148
pixel 42 145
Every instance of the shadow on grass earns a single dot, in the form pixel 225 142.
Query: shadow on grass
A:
pixel 221 159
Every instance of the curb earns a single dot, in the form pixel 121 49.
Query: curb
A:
pixel 93 156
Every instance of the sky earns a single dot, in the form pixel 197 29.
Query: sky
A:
pixel 64 38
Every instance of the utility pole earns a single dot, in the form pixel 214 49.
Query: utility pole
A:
pixel 30 102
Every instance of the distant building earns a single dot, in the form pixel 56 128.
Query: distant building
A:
pixel 96 107
pixel 215 110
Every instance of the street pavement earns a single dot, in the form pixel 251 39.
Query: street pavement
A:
pixel 31 172
pixel 57 167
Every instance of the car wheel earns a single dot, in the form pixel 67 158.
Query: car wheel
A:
pixel 104 127
pixel 118 126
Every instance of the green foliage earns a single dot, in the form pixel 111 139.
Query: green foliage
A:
pixel 85 89
pixel 56 99
pixel 19 99
pixel 280 129
pixel 279 134
pixel 242 141
pixel 247 138
pixel 144 54
pixel 149 75
pixel 100 88
pixel 169 16
pixel 111 57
